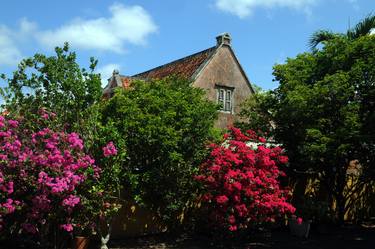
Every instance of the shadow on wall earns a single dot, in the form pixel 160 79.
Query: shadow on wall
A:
pixel 359 196
pixel 133 221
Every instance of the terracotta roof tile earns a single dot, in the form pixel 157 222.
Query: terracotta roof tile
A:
pixel 184 67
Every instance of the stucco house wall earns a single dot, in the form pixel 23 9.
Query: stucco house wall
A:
pixel 223 70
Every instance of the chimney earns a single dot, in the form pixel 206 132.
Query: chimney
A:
pixel 223 39
pixel 115 72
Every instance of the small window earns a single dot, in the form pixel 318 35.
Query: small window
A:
pixel 225 99
pixel 221 97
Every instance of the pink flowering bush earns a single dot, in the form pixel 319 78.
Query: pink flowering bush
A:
pixel 240 182
pixel 109 150
pixel 45 177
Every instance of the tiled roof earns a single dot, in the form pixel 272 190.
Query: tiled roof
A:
pixel 184 67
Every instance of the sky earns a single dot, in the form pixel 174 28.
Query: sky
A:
pixel 134 36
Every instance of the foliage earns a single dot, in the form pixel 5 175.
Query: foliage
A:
pixel 324 109
pixel 44 85
pixel 364 27
pixel 255 114
pixel 46 178
pixel 240 179
pixel 314 210
pixel 56 83
pixel 165 125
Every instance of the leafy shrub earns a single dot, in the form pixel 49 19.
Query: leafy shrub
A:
pixel 240 182
pixel 165 125
pixel 46 179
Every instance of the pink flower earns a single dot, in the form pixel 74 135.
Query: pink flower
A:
pixel 109 150
pixel 45 170
pixel 67 227
pixel 10 187
pixel 71 201
pixel 232 228
pixel 75 141
pixel 13 123
pixel 9 206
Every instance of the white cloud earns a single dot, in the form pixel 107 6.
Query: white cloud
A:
pixel 244 8
pixel 106 72
pixel 127 24
pixel 10 54
pixel 27 27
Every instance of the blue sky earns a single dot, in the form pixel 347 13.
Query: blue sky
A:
pixel 134 36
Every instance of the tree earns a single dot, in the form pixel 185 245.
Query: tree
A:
pixel 165 125
pixel 324 110
pixel 255 114
pixel 56 83
pixel 45 86
pixel 362 28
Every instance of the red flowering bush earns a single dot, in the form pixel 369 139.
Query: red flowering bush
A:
pixel 44 177
pixel 240 180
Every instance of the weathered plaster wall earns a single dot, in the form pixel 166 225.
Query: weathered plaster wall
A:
pixel 224 70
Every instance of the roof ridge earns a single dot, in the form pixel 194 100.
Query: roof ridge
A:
pixel 176 61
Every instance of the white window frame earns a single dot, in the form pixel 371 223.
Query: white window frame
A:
pixel 225 98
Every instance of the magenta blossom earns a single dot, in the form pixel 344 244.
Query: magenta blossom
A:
pixel 67 227
pixel 109 150
pixel 43 176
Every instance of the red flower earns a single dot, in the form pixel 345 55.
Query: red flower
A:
pixel 283 159
pixel 262 139
pixel 237 185
pixel 243 182
pixel 221 199
pixel 299 220
pixel 231 219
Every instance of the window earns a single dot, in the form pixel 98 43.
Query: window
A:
pixel 225 98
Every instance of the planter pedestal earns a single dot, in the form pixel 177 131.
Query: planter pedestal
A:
pixel 81 242
pixel 300 230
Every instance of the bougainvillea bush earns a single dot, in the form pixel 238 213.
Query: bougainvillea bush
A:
pixel 241 182
pixel 45 177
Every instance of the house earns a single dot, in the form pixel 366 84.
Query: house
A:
pixel 216 69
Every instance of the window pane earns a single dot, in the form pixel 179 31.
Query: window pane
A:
pixel 221 98
pixel 229 95
pixel 228 101
pixel 227 106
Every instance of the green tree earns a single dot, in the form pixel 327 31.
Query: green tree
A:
pixel 255 114
pixel 56 83
pixel 69 98
pixel 364 27
pixel 166 125
pixel 324 111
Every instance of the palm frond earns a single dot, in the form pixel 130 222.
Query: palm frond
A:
pixel 364 27
pixel 319 37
